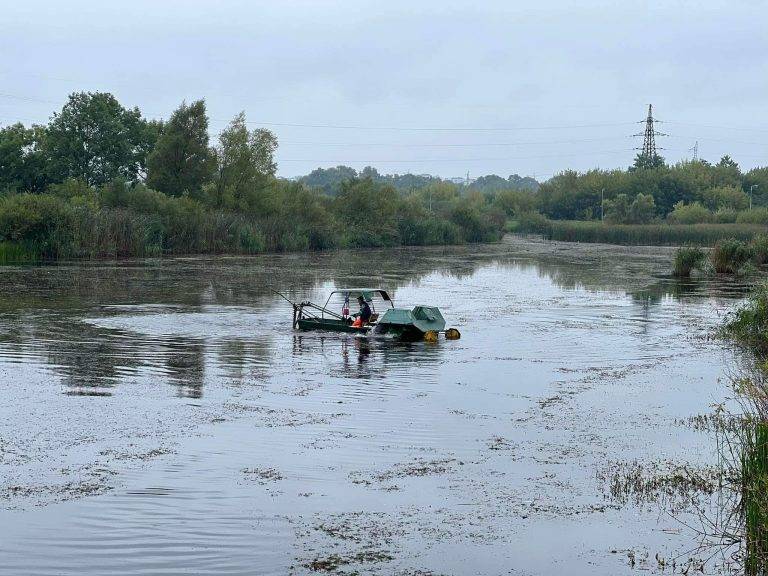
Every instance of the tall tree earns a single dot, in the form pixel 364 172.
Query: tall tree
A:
pixel 646 162
pixel 22 159
pixel 246 160
pixel 96 140
pixel 182 161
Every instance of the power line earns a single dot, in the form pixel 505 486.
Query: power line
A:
pixel 451 145
pixel 423 160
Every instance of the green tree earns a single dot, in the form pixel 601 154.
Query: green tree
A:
pixel 646 162
pixel 728 197
pixel 96 140
pixel 617 209
pixel 757 177
pixel 726 173
pixel 182 161
pixel 22 159
pixel 642 210
pixel 329 180
pixel 694 213
pixel 246 162
pixel 369 213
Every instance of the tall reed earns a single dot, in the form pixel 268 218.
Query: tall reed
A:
pixel 649 234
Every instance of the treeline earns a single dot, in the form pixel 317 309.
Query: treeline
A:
pixel 691 192
pixel 330 180
pixel 100 180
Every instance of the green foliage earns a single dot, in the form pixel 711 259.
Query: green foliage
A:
pixel 730 256
pixel 694 213
pixel 37 222
pixel 725 216
pixel 96 140
pixel 182 161
pixel 748 324
pixel 577 196
pixel 12 253
pixel 620 210
pixel 646 162
pixel 368 213
pixel 494 184
pixel 22 159
pixel 754 216
pixel 514 202
pixel 754 496
pixel 530 222
pixel 760 249
pixel 725 197
pixel 245 159
pixel 687 259
pixel 329 181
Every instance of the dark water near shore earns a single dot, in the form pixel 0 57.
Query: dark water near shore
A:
pixel 161 417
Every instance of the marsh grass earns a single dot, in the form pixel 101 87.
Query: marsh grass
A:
pixel 731 255
pixel 747 325
pixel 12 253
pixel 646 234
pixel 687 259
pixel 754 491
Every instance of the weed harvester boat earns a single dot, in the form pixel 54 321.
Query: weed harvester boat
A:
pixel 419 323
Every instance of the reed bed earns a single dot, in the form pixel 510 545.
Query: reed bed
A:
pixel 648 234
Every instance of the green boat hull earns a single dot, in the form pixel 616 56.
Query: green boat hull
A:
pixel 331 325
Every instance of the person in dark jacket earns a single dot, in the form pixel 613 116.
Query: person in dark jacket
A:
pixel 365 310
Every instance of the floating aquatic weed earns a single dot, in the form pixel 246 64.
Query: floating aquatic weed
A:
pixel 665 482
pixel 263 475
pixel 333 562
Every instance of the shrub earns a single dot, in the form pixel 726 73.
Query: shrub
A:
pixel 687 259
pixel 693 213
pixel 725 216
pixel 37 222
pixel 730 256
pixel 532 222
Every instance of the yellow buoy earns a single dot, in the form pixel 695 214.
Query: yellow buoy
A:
pixel 430 336
pixel 452 334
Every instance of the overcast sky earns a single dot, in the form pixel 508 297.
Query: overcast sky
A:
pixel 415 86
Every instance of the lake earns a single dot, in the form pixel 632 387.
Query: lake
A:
pixel 162 417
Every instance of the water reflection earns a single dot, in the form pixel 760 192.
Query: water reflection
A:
pixel 188 320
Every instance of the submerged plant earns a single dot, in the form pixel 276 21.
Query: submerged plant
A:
pixel 687 259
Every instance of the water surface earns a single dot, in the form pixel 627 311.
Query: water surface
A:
pixel 161 417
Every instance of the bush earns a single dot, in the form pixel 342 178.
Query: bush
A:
pixel 725 216
pixel 687 259
pixel 39 223
pixel 534 222
pixel 694 213
pixel 730 256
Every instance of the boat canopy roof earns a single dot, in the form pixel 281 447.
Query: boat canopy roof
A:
pixel 366 293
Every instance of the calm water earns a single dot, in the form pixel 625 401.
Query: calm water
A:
pixel 161 417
